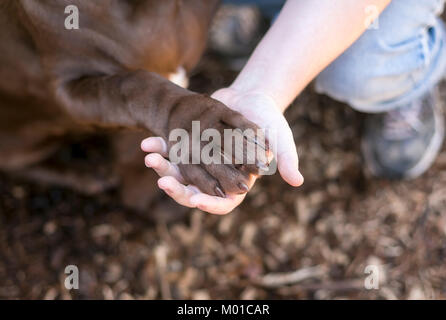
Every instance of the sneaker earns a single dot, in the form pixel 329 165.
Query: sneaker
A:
pixel 403 143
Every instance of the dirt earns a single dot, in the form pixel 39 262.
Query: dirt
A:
pixel 313 242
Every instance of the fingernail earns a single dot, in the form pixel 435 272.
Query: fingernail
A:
pixel 219 192
pixel 301 177
pixel 243 187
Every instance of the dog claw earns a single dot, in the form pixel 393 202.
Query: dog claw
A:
pixel 219 192
pixel 243 187
pixel 262 166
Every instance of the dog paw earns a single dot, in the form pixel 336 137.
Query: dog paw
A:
pixel 223 148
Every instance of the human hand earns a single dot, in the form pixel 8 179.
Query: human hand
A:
pixel 256 107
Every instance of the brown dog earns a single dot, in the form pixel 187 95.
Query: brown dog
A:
pixel 110 74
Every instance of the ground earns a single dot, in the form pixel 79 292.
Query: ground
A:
pixel 313 242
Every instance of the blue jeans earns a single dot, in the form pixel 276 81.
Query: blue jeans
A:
pixel 389 66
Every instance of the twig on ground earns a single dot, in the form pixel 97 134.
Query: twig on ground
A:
pixel 276 280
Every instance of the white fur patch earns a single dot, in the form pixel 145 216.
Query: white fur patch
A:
pixel 179 77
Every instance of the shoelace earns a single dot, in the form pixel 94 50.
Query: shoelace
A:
pixel 402 123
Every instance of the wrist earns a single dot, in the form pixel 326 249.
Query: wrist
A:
pixel 240 100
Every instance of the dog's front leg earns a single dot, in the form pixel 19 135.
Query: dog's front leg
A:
pixel 139 99
pixel 146 100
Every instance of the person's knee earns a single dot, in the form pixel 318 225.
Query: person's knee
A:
pixel 361 76
pixel 372 73
pixel 348 79
pixel 390 62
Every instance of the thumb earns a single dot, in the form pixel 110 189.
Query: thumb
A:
pixel 284 149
